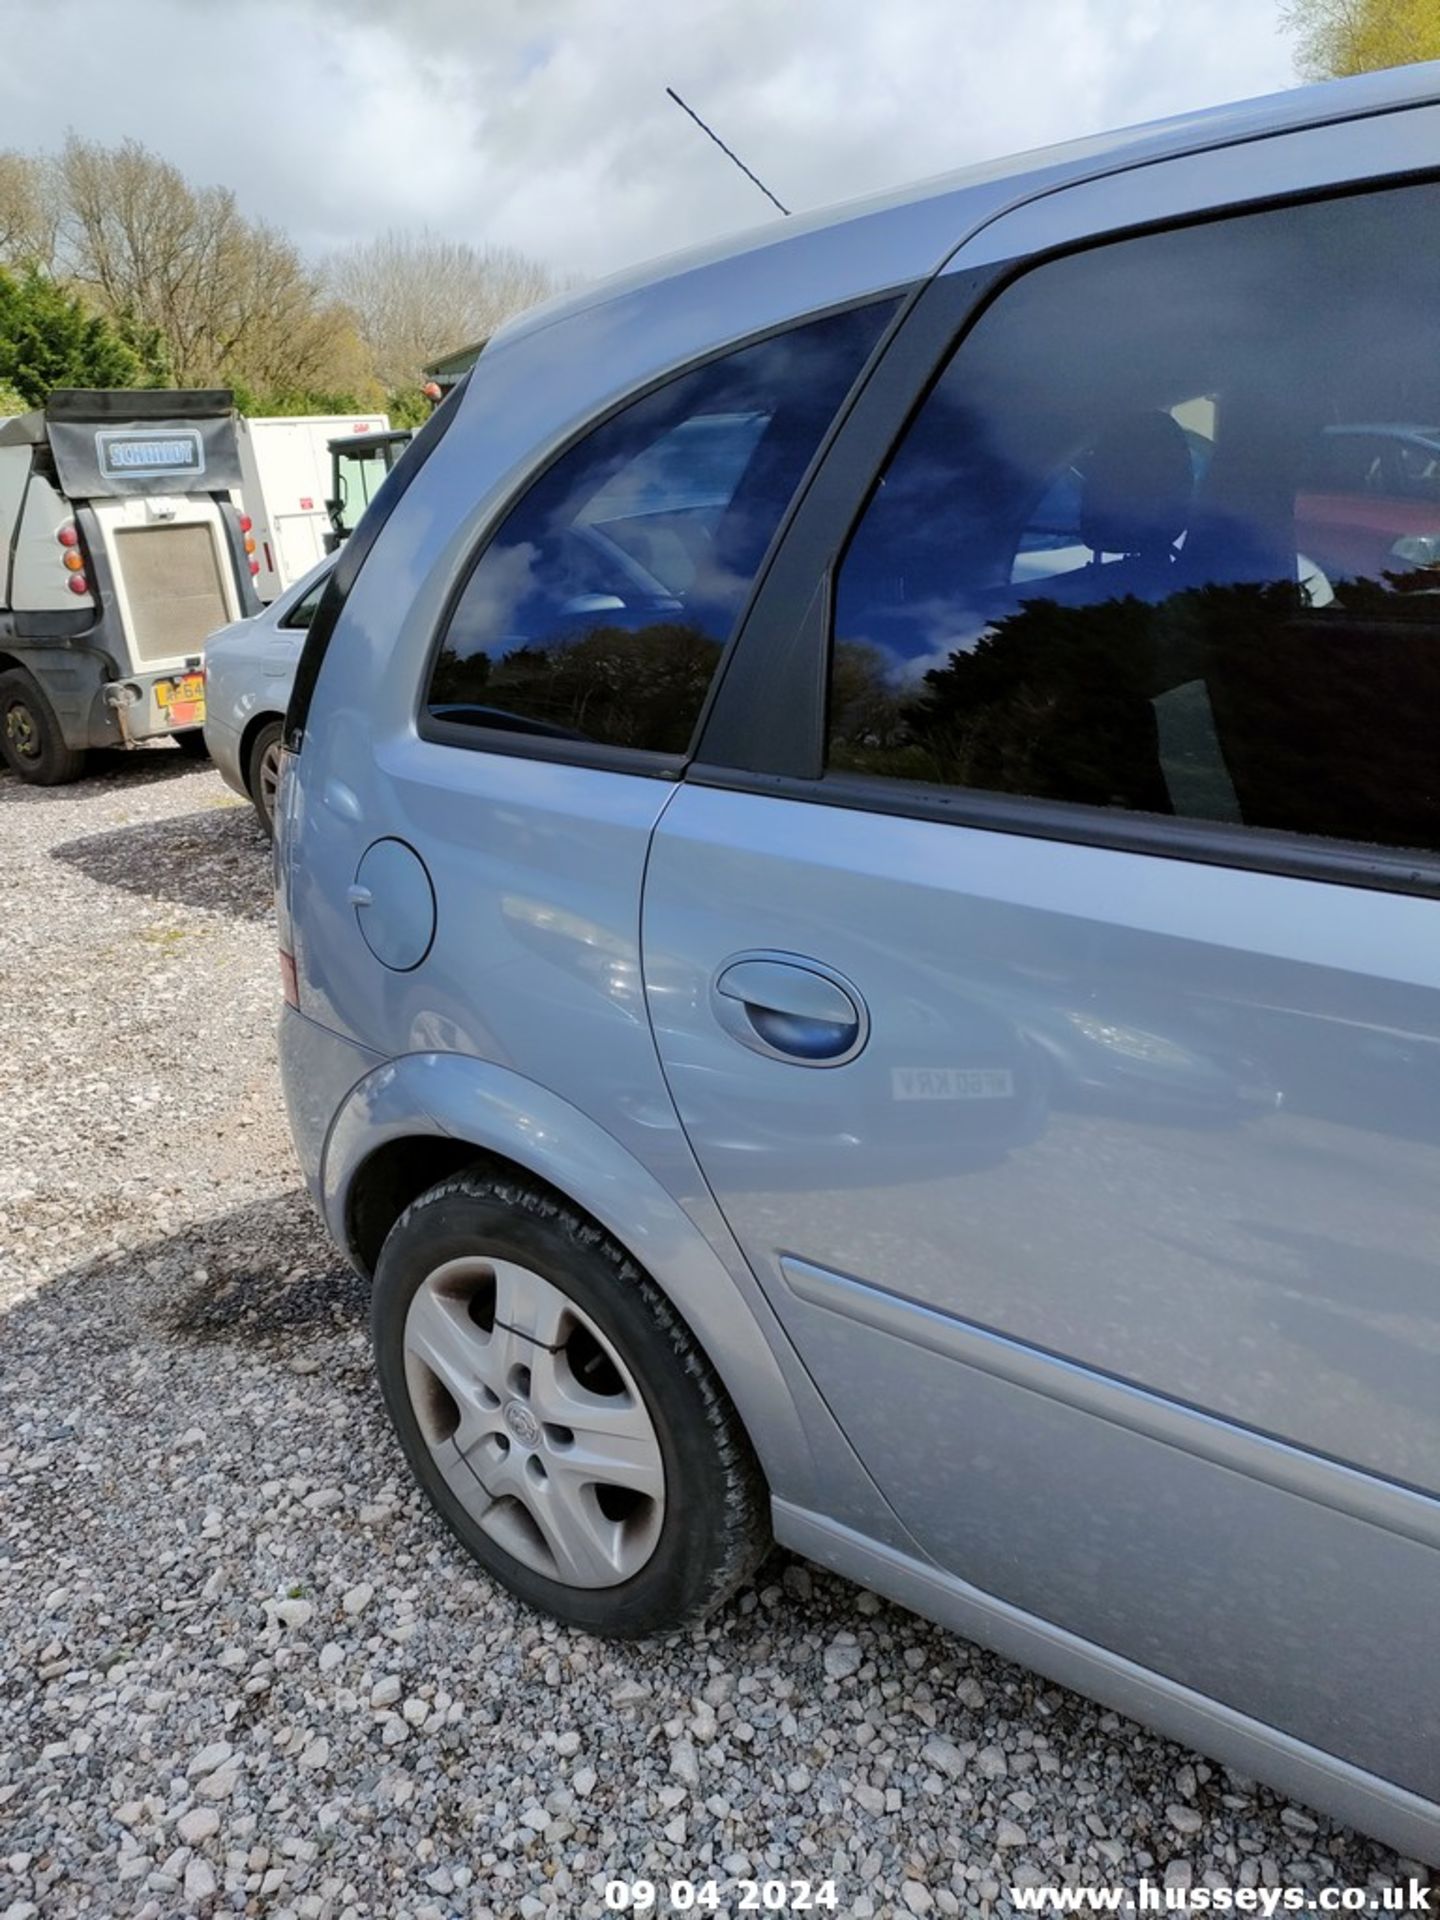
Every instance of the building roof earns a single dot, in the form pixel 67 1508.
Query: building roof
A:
pixel 451 366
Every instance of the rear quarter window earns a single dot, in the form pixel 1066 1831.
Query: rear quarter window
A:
pixel 598 611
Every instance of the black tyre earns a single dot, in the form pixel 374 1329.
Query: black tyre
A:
pixel 192 743
pixel 262 772
pixel 30 736
pixel 559 1413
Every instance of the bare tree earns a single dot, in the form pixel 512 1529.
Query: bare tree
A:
pixel 1361 36
pixel 230 298
pixel 143 242
pixel 289 335
pixel 215 298
pixel 28 211
pixel 416 296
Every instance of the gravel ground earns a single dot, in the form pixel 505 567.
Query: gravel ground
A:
pixel 244 1669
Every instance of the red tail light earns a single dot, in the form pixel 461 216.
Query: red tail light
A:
pixel 69 536
pixel 78 583
pixel 246 523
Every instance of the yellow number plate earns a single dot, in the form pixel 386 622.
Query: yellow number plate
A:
pixel 182 701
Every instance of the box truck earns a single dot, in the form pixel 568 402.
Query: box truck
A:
pixel 285 484
pixel 120 550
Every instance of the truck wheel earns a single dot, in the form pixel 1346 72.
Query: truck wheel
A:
pixel 262 772
pixel 30 736
pixel 192 743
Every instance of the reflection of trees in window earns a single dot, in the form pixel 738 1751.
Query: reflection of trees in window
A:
pixel 643 688
pixel 1318 720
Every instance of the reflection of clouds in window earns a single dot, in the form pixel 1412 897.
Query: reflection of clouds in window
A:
pixel 489 609
pixel 601 608
pixel 1150 543
pixel 917 638
pixel 697 464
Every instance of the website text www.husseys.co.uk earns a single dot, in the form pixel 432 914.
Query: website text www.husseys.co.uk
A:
pixel 1151 1896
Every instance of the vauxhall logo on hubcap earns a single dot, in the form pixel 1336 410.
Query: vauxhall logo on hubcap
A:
pixel 522 1423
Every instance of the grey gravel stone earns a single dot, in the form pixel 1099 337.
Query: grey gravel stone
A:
pixel 944 1756
pixel 197 1483
pixel 293 1611
pixel 842 1658
pixel 197 1825
pixel 200 1882
pixel 220 1784
pixel 209 1758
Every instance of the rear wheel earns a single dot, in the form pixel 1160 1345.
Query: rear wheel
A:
pixel 192 743
pixel 262 772
pixel 30 736
pixel 558 1412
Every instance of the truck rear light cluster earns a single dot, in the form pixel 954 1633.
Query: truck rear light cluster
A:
pixel 71 557
pixel 246 527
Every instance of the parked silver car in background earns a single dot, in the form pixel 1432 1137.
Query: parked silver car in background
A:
pixel 249 668
pixel 823 1024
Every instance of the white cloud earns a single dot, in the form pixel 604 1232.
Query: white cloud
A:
pixel 544 123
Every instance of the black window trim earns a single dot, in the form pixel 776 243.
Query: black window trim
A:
pixel 787 760
pixel 353 554
pixel 1294 856
pixel 603 756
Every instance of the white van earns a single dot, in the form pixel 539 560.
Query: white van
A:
pixel 285 482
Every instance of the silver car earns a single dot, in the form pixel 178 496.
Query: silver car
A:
pixel 859 870
pixel 249 667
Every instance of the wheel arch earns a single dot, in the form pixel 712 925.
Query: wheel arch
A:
pixel 422 1118
pixel 254 726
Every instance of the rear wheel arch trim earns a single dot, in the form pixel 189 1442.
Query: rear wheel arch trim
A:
pixel 473 1111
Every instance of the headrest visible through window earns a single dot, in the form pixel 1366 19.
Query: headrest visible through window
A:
pixel 1137 486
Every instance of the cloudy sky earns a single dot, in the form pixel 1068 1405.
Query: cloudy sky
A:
pixel 544 124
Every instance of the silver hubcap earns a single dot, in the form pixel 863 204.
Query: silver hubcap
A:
pixel 270 777
pixel 534 1422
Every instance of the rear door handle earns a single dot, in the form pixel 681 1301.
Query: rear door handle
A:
pixel 790 1008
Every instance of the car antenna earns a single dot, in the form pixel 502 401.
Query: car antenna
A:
pixel 727 151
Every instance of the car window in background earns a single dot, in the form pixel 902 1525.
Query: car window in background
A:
pixel 303 611
pixel 599 610
pixel 1145 548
